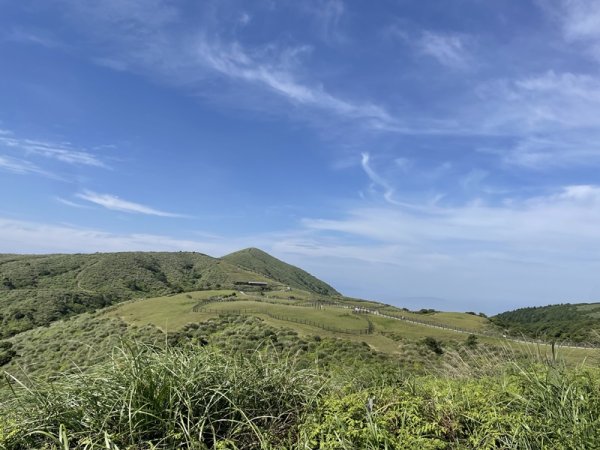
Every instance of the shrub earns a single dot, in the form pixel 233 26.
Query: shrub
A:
pixel 433 344
pixel 7 353
pixel 471 341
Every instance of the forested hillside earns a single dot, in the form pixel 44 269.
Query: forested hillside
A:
pixel 573 322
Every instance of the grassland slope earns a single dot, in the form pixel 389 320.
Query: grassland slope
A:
pixel 36 290
pixel 262 263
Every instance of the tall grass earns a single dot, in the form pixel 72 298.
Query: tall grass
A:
pixel 178 398
pixel 204 398
pixel 520 408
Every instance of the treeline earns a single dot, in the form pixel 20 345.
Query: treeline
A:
pixel 570 322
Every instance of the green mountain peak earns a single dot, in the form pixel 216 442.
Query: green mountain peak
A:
pixel 259 261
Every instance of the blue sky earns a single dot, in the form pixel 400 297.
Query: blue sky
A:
pixel 427 154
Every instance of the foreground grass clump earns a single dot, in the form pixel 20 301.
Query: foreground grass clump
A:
pixel 73 344
pixel 538 407
pixel 175 398
pixel 193 397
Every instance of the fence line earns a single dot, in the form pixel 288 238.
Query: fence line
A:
pixel 210 300
pixel 371 328
pixel 368 330
pixel 202 303
pixel 522 339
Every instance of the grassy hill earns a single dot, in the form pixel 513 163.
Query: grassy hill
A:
pixel 286 369
pixel 39 289
pixel 327 330
pixel 177 355
pixel 260 262
pixel 389 330
pixel 572 322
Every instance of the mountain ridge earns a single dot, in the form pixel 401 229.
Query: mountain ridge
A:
pixel 36 290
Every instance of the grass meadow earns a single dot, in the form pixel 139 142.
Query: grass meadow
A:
pixel 220 369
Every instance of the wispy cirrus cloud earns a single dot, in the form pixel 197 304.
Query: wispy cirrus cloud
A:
pixel 233 61
pixel 565 218
pixel 580 20
pixel 115 203
pixel 59 151
pixel 327 16
pixel 22 167
pixel 33 37
pixel 565 99
pixel 145 39
pixel 538 250
pixel 553 151
pixel 449 49
pixel 68 202
pixel 376 179
pixel 383 183
pixel 551 117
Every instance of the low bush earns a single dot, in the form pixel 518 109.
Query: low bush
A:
pixel 7 352
pixel 433 344
pixel 533 408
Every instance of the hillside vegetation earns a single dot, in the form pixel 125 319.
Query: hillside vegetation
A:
pixel 260 262
pixel 570 322
pixel 386 329
pixel 39 289
pixel 156 351
pixel 199 396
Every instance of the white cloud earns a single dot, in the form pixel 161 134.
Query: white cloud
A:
pixel 244 19
pixel 116 204
pixel 562 223
pixel 514 253
pixel 583 192
pixel 31 237
pixel 63 152
pixel 403 164
pixel 142 39
pixel 374 176
pixel 67 202
pixel 381 185
pixel 554 151
pixel 473 179
pixel 540 103
pixel 236 63
pixel 581 23
pixel 33 37
pixel 552 119
pixel 22 167
pixel 565 99
pixel 448 49
pixel 582 19
pixel 328 15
